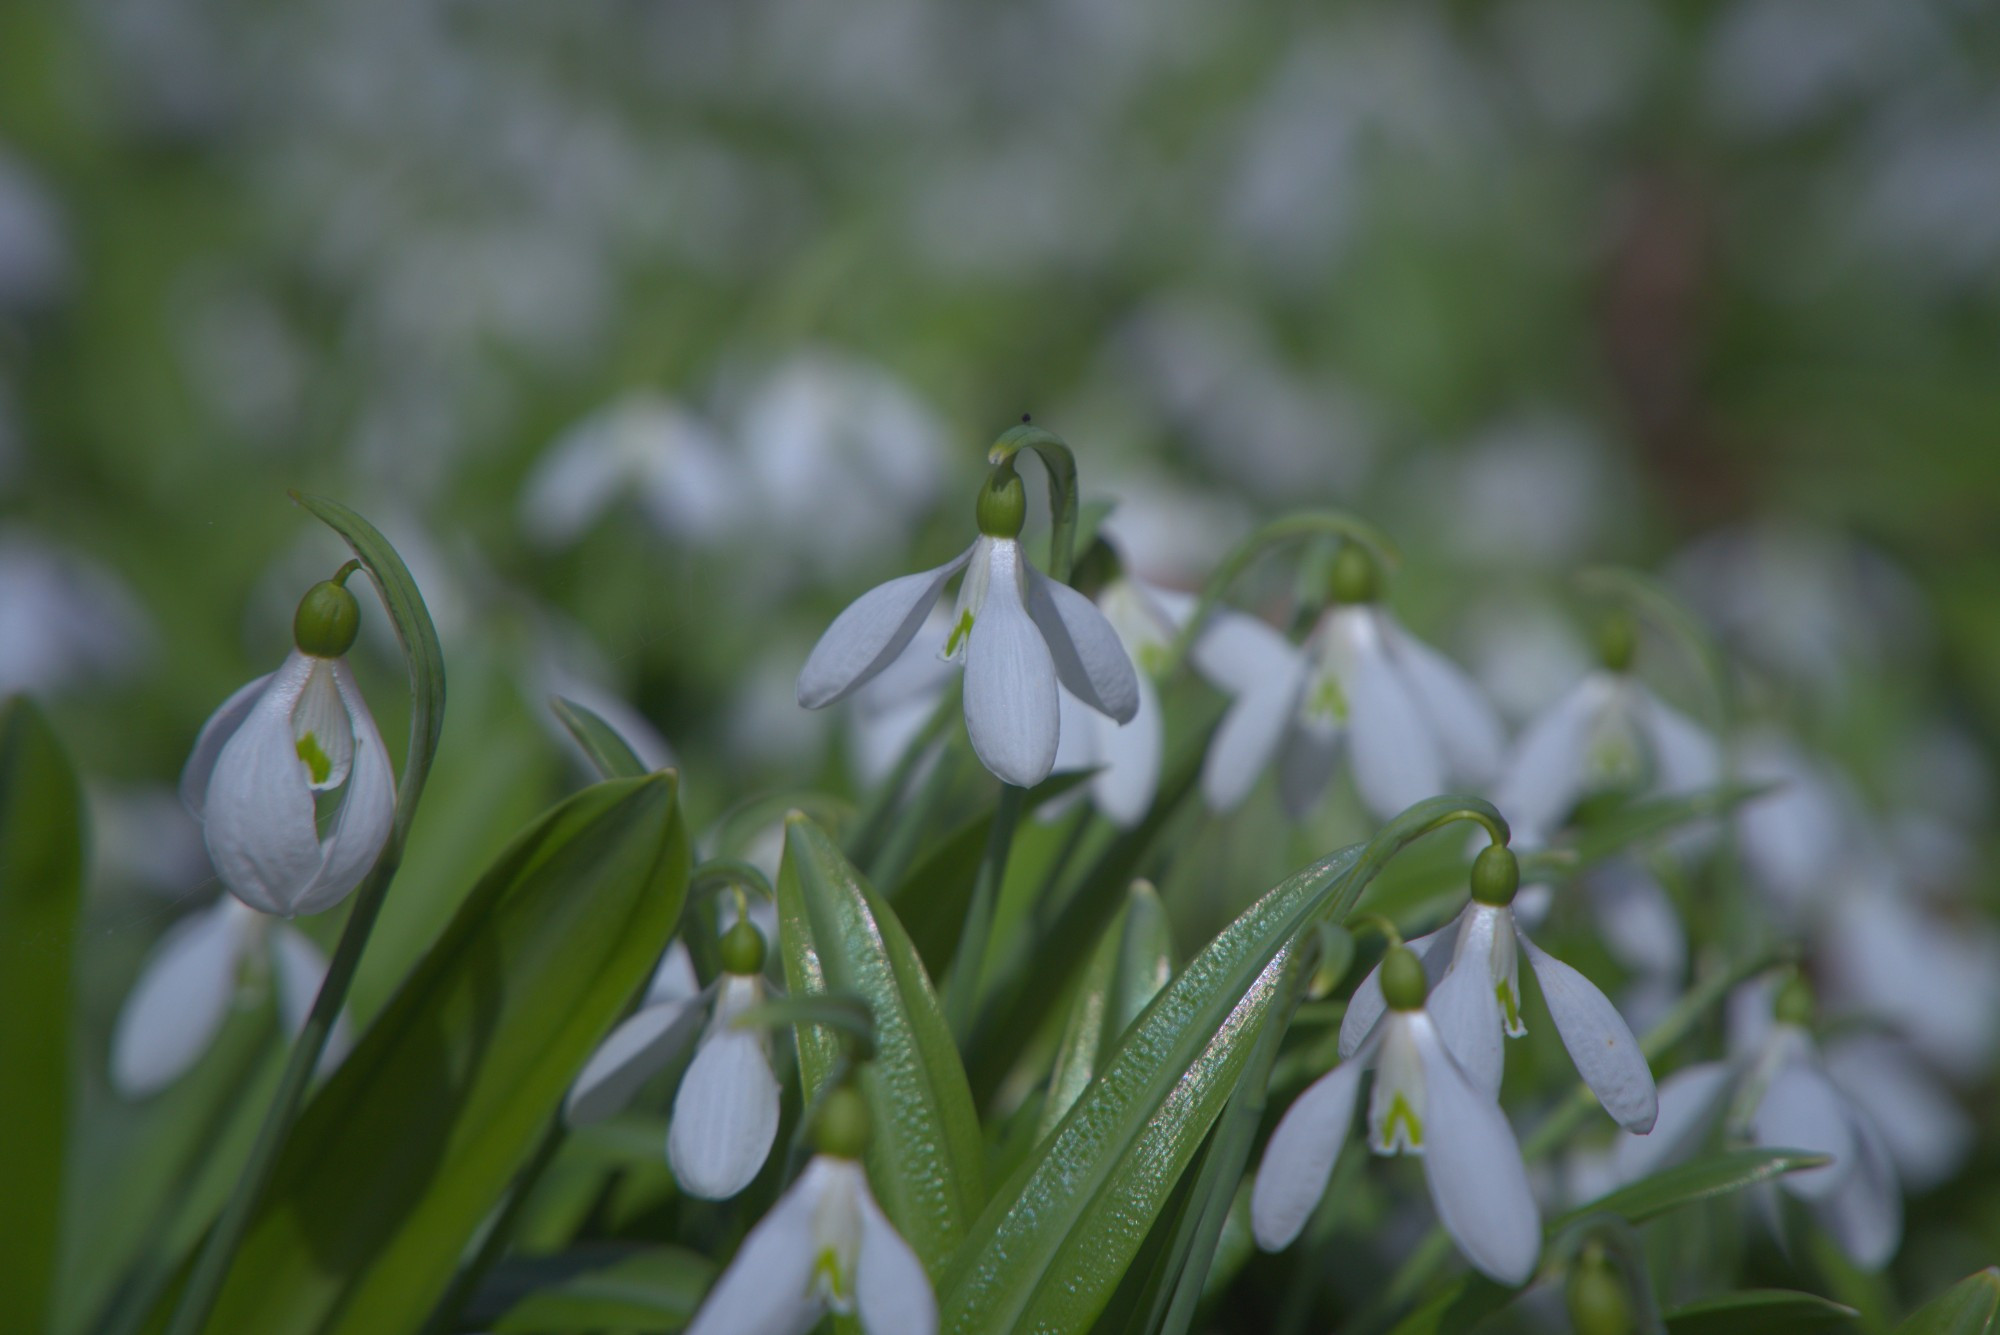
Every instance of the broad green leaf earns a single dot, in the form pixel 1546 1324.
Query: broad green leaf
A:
pixel 399 1157
pixel 611 754
pixel 1968 1307
pixel 41 869
pixel 1685 1184
pixel 1758 1312
pixel 1133 962
pixel 652 1288
pixel 926 1159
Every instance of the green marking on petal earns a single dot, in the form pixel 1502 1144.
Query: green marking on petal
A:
pixel 318 763
pixel 959 632
pixel 827 1278
pixel 1413 1128
pixel 1328 700
pixel 1509 1008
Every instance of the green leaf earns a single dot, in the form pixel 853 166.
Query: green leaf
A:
pixel 1759 1312
pixel 651 1288
pixel 611 754
pixel 844 1013
pixel 1640 820
pixel 1132 963
pixel 926 1159
pixel 1966 1308
pixel 1061 465
pixel 41 870
pixel 395 1162
pixel 1685 1184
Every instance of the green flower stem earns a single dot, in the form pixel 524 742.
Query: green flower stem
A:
pixel 961 992
pixel 1060 462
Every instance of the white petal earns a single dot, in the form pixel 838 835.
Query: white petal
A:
pixel 320 729
pixel 1927 1133
pixel 1636 920
pixel 1306 761
pixel 1865 1213
pixel 1465 724
pixel 1601 1044
pixel 892 1295
pixel 367 808
pixel 869 634
pixel 1367 1004
pixel 1473 1166
pixel 1249 736
pixel 1685 756
pixel 628 1057
pixel 1088 655
pixel 1010 681
pixel 1544 775
pixel 1689 1100
pixel 181 999
pixel 258 817
pixel 1125 787
pixel 1239 653
pixel 215 734
pixel 768 1287
pixel 1300 1158
pixel 726 1113
pixel 1801 1110
pixel 299 967
pixel 1396 758
pixel 674 979
pixel 1465 1008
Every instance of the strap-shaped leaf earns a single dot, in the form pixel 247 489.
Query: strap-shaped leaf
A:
pixel 1760 1312
pixel 1131 965
pixel 925 1159
pixel 1685 1184
pixel 396 1161
pixel 41 868
pixel 1968 1307
pixel 644 1288
pixel 610 753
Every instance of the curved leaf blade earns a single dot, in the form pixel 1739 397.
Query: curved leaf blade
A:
pixel 1968 1307
pixel 1760 1312
pixel 610 753
pixel 1688 1183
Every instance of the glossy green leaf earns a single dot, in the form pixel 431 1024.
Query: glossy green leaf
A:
pixel 1685 1184
pixel 1760 1312
pixel 399 1157
pixel 41 869
pixel 1132 963
pixel 1969 1307
pixel 611 754
pixel 926 1159
pixel 650 1288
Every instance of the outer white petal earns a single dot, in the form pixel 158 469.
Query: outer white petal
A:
pixel 768 1287
pixel 1636 920
pixel 1396 757
pixel 1465 1008
pixel 726 1113
pixel 1365 1007
pixel 1601 1044
pixel 1249 736
pixel 630 1056
pixel 674 978
pixel 1306 761
pixel 892 1295
pixel 1010 681
pixel 1689 1101
pixel 299 967
pixel 181 999
pixel 1473 1166
pixel 1125 787
pixel 1927 1133
pixel 258 818
pixel 215 734
pixel 1801 1110
pixel 1465 724
pixel 1685 755
pixel 367 808
pixel 1544 776
pixel 1865 1213
pixel 1300 1158
pixel 1089 657
pixel 869 634
pixel 1239 653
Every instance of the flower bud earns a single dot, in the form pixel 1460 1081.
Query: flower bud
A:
pixel 1403 981
pixel 327 621
pixel 1596 1297
pixel 841 1128
pixel 1355 578
pixel 742 949
pixel 1617 642
pixel 1003 504
pixel 1496 875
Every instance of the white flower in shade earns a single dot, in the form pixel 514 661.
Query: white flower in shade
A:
pixel 643 1045
pixel 1792 837
pixel 280 751
pixel 224 957
pixel 644 446
pixel 1477 998
pixel 825 1247
pixel 1776 1092
pixel 1422 1103
pixel 1017 632
pixel 1125 757
pixel 1413 721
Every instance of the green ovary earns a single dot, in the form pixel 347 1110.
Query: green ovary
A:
pixel 317 762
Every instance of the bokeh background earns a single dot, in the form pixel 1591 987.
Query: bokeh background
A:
pixel 653 332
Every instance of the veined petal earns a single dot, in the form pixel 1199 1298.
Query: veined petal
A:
pixel 258 818
pixel 768 1287
pixel 1544 776
pixel 726 1113
pixel 367 808
pixel 892 1295
pixel 299 967
pixel 630 1056
pixel 1306 760
pixel 1801 1110
pixel 1131 752
pixel 1248 738
pixel 1239 653
pixel 1689 1101
pixel 869 634
pixel 1465 1007
pixel 1865 1213
pixel 322 735
pixel 1601 1044
pixel 1926 1132
pixel 1010 681
pixel 1396 757
pixel 1089 657
pixel 1398 1100
pixel 1465 724
pixel 1300 1158
pixel 1685 757
pixel 1473 1166
pixel 1435 949
pixel 215 734
pixel 181 999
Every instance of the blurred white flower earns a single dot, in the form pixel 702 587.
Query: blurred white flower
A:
pixel 1125 756
pixel 726 1110
pixel 226 955
pixel 1530 491
pixel 64 621
pixel 645 446
pixel 644 1044
pixel 1524 651
pixel 34 252
pixel 1793 837
pixel 890 709
pixel 1776 66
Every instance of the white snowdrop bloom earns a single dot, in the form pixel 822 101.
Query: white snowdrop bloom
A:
pixel 1477 998
pixel 1935 978
pixel 643 1045
pixel 825 1247
pixel 1413 721
pixel 890 711
pixel 280 749
pixel 1125 757
pixel 645 446
pixel 1423 1102
pixel 1792 837
pixel 1017 632
pixel 225 956
pixel 64 620
pixel 1775 1092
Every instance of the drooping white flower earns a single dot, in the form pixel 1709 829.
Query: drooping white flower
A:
pixel 1413 721
pixel 1423 1102
pixel 64 620
pixel 1476 999
pixel 890 711
pixel 225 956
pixel 1017 632
pixel 643 446
pixel 271 756
pixel 1125 756
pixel 1793 836
pixel 644 1044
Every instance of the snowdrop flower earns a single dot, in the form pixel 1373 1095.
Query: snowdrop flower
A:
pixel 643 445
pixel 1423 1103
pixel 279 749
pixel 221 957
pixel 64 620
pixel 1017 632
pixel 1477 998
pixel 1414 721
pixel 1776 1093
pixel 1792 836
pixel 1608 732
pixel 643 1045
pixel 1126 756
pixel 825 1247
pixel 890 712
